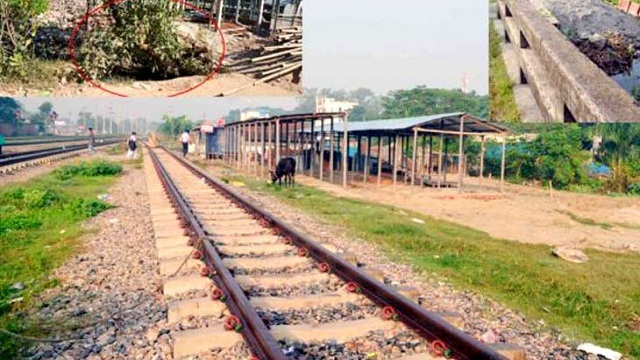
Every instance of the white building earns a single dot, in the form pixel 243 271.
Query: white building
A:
pixel 325 104
pixel 253 114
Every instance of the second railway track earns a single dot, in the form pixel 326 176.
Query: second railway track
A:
pixel 242 283
pixel 14 161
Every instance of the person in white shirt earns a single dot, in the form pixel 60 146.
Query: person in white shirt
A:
pixel 185 139
pixel 132 146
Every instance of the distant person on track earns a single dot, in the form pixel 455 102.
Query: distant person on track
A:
pixel 132 146
pixel 92 140
pixel 185 139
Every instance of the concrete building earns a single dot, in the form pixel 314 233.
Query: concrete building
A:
pixel 254 114
pixel 331 105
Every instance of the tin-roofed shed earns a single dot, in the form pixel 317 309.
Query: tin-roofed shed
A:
pixel 317 142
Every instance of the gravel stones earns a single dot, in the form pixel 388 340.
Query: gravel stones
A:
pixel 109 290
pixel 479 314
pixel 304 268
pixel 375 345
pixel 290 291
pixel 319 315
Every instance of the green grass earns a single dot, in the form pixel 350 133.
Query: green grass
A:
pixel 596 301
pixel 615 2
pixel 118 149
pixel 586 221
pixel 503 103
pixel 43 75
pixel 39 230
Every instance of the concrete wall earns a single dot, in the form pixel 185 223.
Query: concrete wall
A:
pixel 564 82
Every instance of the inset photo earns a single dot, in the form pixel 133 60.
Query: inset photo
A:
pixel 565 60
pixel 150 48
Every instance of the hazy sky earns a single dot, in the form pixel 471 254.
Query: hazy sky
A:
pixel 154 108
pixel 387 45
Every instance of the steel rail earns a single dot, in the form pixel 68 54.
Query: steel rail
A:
pixel 427 323
pixel 48 152
pixel 31 152
pixel 255 332
pixel 53 141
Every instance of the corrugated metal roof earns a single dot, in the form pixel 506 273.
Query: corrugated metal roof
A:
pixel 393 124
pixel 404 126
pixel 449 122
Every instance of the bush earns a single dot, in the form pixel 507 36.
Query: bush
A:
pixel 142 42
pixel 634 189
pixel 18 222
pixel 86 208
pixel 38 199
pixel 618 182
pixel 17 31
pixel 12 195
pixel 89 168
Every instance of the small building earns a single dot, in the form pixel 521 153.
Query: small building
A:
pixel 331 105
pixel 209 138
pixel 254 114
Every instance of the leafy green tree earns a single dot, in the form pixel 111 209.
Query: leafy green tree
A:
pixel 8 107
pixel 175 125
pixel 424 101
pixel 42 116
pixel 559 156
pixel 46 108
pixel 620 150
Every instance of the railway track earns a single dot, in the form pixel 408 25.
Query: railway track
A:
pixel 15 161
pixel 41 141
pixel 240 283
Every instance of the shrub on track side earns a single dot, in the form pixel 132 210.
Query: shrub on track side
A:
pixel 39 230
pixel 89 169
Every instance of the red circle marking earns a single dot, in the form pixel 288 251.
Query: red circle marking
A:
pixel 113 2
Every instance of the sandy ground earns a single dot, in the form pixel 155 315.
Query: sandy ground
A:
pixel 521 213
pixel 220 83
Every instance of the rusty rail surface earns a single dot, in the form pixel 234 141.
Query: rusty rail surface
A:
pixel 426 323
pixel 255 332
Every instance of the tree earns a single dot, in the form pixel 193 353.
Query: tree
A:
pixel 307 102
pixel 42 117
pixel 8 108
pixel 174 125
pixel 620 150
pixel 560 157
pixel 362 95
pixel 423 101
pixel 46 108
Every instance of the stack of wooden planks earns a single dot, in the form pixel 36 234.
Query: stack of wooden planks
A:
pixel 276 60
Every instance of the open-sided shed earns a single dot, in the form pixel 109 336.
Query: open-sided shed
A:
pixel 401 137
pixel 326 143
